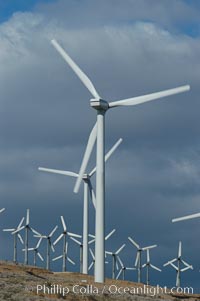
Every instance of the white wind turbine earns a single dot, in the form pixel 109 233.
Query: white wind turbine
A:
pixel 36 252
pixel 80 244
pixel 178 268
pixel 101 106
pixel 114 259
pixel 49 245
pixel 64 258
pixel 28 229
pixel 16 236
pixel 123 269
pixel 64 235
pixel 138 260
pixel 148 265
pixel 88 190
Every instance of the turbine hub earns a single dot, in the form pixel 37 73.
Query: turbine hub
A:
pixel 99 104
pixel 86 177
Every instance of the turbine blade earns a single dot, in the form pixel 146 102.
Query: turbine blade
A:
pixel 91 265
pixel 58 239
pixel 18 230
pixel 137 258
pixel 133 242
pixel 34 231
pixel 186 217
pixel 148 97
pixel 52 248
pixel 118 275
pixel 120 262
pixel 2 210
pixel 120 249
pixel 110 234
pixel 149 247
pixel 60 172
pixel 144 265
pixel 63 223
pixel 155 268
pixel 92 254
pixel 179 249
pixel 169 262
pixel 39 242
pixel 40 256
pixel 173 265
pixel 52 232
pixel 91 241
pixel 82 76
pixel 70 260
pixel 74 235
pixel 107 156
pixel 187 268
pixel 75 240
pixel 185 263
pixel 132 269
pixel 56 258
pixel 86 157
pixel 117 266
pixel 27 217
pixel 20 238
pixel 92 194
pixel 9 230
pixel 148 256
pixel 21 222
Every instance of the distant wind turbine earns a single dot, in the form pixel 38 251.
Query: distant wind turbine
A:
pixel 123 269
pixel 28 229
pixel 64 258
pixel 49 245
pixel 178 268
pixel 63 236
pixel 16 236
pixel 114 259
pixel 148 265
pixel 88 190
pixel 36 252
pixel 101 106
pixel 138 261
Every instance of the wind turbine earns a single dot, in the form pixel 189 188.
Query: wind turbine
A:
pixel 179 261
pixel 64 236
pixel 16 236
pixel 123 269
pixel 101 106
pixel 114 259
pixel 36 252
pixel 65 258
pixel 80 244
pixel 27 228
pixel 49 245
pixel 88 189
pixel 138 261
pixel 148 265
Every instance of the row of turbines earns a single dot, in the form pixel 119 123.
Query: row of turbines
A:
pixel 118 267
pixel 97 136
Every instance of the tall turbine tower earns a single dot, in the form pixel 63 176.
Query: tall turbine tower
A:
pixel 101 106
pixel 88 190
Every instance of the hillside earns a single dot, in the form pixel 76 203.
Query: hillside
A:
pixel 18 282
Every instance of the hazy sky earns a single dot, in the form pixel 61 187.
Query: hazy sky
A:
pixel 128 48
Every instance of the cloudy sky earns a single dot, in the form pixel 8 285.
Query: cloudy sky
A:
pixel 128 48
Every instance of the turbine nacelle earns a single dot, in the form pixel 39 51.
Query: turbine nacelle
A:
pixel 99 104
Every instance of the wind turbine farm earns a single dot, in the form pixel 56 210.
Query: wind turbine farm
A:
pixel 85 213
